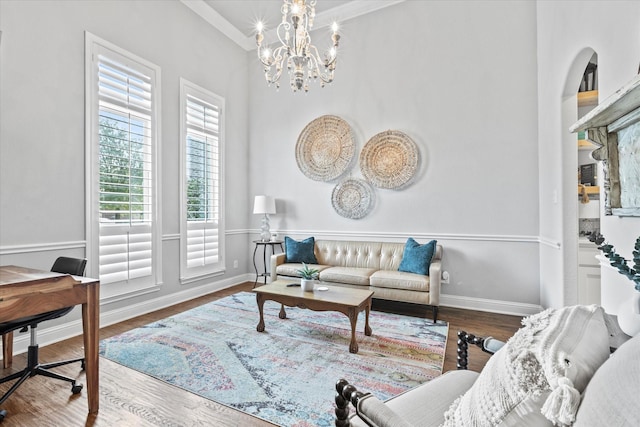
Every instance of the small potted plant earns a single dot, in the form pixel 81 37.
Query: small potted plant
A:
pixel 309 275
pixel 629 311
pixel 623 265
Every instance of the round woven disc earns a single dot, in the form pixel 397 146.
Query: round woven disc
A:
pixel 325 148
pixel 389 159
pixel 352 198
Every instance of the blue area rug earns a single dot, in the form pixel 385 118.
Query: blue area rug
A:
pixel 286 374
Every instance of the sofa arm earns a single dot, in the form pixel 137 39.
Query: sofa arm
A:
pixel 276 260
pixel 435 273
pixel 369 408
pixel 488 345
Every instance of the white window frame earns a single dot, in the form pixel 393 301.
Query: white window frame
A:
pixel 95 46
pixel 188 273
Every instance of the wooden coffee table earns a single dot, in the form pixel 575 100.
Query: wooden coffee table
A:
pixel 344 300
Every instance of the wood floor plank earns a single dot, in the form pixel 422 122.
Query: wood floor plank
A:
pixel 130 398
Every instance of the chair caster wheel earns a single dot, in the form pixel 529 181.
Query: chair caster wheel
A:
pixel 3 414
pixel 76 388
pixel 82 365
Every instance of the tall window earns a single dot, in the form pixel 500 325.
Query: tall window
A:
pixel 122 110
pixel 202 148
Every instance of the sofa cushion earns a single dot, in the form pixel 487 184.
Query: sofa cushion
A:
pixel 542 368
pixel 349 275
pixel 291 269
pixel 416 258
pixel 611 398
pixel 342 253
pixel 299 252
pixel 399 280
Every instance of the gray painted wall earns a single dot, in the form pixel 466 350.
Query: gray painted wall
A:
pixel 460 79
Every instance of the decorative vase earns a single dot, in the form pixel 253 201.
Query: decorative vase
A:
pixel 306 285
pixel 629 315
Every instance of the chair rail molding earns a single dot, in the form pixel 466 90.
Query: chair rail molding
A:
pixel 82 244
pixel 41 247
pixel 395 236
pixel 551 242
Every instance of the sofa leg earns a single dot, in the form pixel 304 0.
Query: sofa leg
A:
pixel 435 313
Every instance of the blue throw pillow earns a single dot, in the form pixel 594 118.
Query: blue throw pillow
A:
pixel 300 251
pixel 416 258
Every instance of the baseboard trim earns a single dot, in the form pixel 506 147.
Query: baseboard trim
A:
pixel 73 328
pixel 488 305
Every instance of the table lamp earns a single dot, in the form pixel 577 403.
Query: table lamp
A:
pixel 264 205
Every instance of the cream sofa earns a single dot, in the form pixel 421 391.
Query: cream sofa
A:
pixel 369 265
pixel 556 370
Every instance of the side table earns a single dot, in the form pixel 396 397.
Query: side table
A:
pixel 271 244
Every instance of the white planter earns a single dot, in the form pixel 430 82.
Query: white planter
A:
pixel 629 315
pixel 306 285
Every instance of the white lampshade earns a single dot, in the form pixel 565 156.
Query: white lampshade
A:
pixel 264 205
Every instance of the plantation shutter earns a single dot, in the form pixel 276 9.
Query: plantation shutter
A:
pixel 203 182
pixel 125 178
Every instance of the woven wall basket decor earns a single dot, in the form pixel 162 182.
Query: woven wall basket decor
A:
pixel 352 198
pixel 389 159
pixel 325 148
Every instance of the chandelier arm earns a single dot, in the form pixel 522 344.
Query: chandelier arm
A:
pixel 282 27
pixel 326 77
pixel 318 60
pixel 272 59
pixel 326 63
pixel 280 68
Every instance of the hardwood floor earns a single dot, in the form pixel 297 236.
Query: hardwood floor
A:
pixel 129 398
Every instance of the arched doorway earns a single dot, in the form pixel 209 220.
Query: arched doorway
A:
pixel 569 153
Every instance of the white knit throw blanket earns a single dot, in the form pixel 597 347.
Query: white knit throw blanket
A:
pixel 523 369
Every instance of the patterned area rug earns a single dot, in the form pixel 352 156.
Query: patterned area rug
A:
pixel 286 374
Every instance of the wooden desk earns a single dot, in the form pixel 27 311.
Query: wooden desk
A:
pixel 25 292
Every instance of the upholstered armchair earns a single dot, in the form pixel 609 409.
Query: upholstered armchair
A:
pixel 556 370
pixel 374 413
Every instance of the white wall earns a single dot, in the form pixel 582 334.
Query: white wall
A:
pixel 42 147
pixel 460 79
pixel 568 33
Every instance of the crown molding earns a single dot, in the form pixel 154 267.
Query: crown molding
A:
pixel 341 13
pixel 217 21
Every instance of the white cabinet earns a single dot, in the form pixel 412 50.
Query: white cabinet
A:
pixel 588 273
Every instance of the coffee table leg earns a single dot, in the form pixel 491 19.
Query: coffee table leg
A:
pixel 353 318
pixel 367 328
pixel 260 301
pixel 282 314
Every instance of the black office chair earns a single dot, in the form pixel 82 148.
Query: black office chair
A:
pixel 65 265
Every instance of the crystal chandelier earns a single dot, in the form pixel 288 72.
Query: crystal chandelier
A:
pixel 296 52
